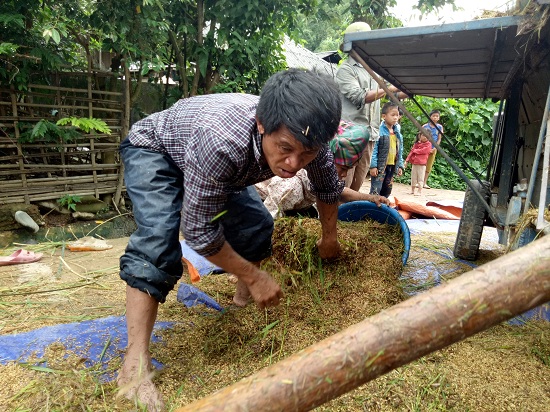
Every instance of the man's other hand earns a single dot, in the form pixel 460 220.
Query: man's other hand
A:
pixel 264 290
pixel 328 250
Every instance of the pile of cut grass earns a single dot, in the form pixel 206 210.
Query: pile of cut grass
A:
pixel 493 371
pixel 209 350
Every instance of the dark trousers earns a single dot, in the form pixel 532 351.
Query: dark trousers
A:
pixel 152 260
pixel 382 184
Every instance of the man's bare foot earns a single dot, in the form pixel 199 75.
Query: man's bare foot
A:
pixel 135 383
pixel 242 294
pixel 232 278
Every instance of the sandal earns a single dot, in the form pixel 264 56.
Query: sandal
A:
pixel 20 256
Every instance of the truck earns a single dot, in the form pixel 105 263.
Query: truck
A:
pixel 506 59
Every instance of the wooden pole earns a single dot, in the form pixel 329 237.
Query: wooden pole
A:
pixel 470 303
pixel 20 154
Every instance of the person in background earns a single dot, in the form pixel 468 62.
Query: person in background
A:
pixel 387 156
pixel 435 129
pixel 399 120
pixel 418 157
pixel 288 197
pixel 361 96
pixel 195 164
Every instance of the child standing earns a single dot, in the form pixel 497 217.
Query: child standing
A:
pixel 435 129
pixel 387 155
pixel 418 157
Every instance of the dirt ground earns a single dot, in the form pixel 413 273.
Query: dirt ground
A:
pixel 402 192
pixel 503 369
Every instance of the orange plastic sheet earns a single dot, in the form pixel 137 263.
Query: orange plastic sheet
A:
pixel 193 272
pixel 408 209
pixel 455 210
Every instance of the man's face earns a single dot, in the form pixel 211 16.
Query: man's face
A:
pixel 284 154
pixel 391 116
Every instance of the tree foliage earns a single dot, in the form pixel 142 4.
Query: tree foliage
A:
pixel 322 28
pixel 212 44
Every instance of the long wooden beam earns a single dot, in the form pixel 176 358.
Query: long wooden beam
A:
pixel 470 303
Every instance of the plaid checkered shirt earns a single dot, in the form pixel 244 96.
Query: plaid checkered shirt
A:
pixel 214 140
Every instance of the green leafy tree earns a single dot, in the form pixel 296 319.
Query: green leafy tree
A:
pixel 27 29
pixel 65 130
pixel 321 27
pixel 209 42
pixel 230 45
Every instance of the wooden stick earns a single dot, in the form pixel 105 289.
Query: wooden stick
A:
pixel 20 154
pixel 470 303
pixel 72 89
pixel 54 181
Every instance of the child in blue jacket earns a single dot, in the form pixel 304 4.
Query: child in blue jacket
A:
pixel 387 155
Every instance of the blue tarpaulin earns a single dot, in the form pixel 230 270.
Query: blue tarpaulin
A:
pixel 96 341
pixel 99 341
pixel 203 266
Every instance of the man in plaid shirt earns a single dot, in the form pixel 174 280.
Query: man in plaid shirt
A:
pixel 202 157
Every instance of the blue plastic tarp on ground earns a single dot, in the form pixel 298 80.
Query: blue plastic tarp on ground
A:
pixel 191 296
pixel 101 340
pixel 417 226
pixel 203 266
pixel 96 341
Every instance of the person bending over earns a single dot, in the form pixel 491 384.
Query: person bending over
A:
pixel 195 164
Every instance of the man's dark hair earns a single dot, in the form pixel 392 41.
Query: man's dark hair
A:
pixel 387 106
pixel 434 112
pixel 306 103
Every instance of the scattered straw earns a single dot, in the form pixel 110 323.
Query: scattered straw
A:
pixel 504 368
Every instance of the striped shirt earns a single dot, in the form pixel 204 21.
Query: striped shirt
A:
pixel 214 140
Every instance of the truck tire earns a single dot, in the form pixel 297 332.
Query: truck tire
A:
pixel 471 224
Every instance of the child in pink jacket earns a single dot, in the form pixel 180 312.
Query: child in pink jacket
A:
pixel 418 157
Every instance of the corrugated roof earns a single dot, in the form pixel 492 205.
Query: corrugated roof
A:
pixel 471 59
pixel 299 57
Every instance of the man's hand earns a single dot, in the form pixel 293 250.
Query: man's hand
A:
pixel 262 287
pixel 264 290
pixel 328 250
pixel 373 171
pixel 328 245
pixel 379 200
pixel 398 93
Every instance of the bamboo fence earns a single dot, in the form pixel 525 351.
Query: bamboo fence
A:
pixel 48 169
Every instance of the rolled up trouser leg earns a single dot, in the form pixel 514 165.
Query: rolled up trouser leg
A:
pixel 152 260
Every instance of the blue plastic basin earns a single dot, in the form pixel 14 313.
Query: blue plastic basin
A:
pixel 360 210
